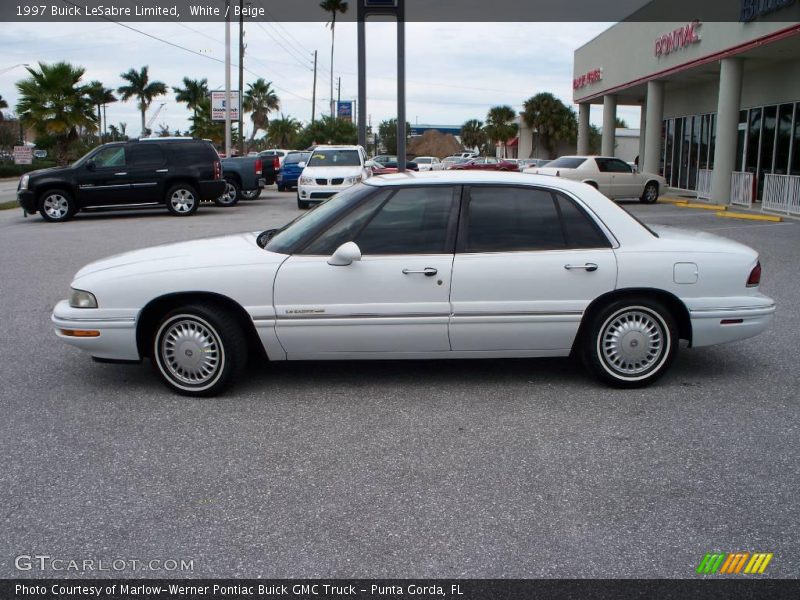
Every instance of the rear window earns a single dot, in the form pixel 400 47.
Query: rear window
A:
pixel 334 158
pixel 567 162
pixel 296 157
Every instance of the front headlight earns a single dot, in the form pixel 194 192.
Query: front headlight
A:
pixel 23 182
pixel 352 180
pixel 305 180
pixel 81 299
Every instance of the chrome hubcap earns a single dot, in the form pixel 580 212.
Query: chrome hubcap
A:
pixel 651 193
pixel 182 200
pixel 56 206
pixel 191 352
pixel 229 197
pixel 632 342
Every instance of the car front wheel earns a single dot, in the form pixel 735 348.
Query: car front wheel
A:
pixel 231 194
pixel 199 350
pixel 182 200
pixel 650 194
pixel 631 342
pixel 302 204
pixel 57 206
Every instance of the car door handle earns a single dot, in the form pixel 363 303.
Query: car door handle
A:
pixel 162 170
pixel 588 266
pixel 120 173
pixel 427 271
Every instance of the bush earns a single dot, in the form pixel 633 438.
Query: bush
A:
pixel 12 170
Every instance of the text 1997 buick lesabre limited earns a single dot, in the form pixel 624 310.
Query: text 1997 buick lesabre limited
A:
pixel 426 265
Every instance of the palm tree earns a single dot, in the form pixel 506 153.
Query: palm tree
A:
pixel 53 103
pixel 472 134
pixel 3 104
pixel 550 119
pixel 328 130
pixel 140 87
pixel 259 100
pixel 500 126
pixel 192 92
pixel 333 7
pixel 100 95
pixel 284 131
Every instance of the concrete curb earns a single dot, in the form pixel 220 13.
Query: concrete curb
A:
pixel 750 217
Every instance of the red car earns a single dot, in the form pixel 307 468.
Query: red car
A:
pixel 485 163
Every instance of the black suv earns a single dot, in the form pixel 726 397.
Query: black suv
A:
pixel 178 172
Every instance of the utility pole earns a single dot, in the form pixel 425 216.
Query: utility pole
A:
pixel 241 76
pixel 339 91
pixel 105 121
pixel 227 78
pixel 314 91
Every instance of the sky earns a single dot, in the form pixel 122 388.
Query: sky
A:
pixel 454 71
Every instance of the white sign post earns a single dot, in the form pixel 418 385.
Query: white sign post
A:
pixel 218 106
pixel 23 155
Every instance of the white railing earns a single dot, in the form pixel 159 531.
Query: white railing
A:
pixel 781 193
pixel 704 184
pixel 742 189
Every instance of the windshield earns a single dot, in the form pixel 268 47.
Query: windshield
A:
pixel 296 157
pixel 287 237
pixel 567 162
pixel 334 158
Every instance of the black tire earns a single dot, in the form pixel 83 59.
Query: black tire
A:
pixel 57 206
pixel 182 200
pixel 231 195
pixel 251 194
pixel 199 350
pixel 630 342
pixel 302 204
pixel 650 193
pixel 281 188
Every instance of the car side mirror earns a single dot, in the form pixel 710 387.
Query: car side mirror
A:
pixel 301 165
pixel 90 165
pixel 345 254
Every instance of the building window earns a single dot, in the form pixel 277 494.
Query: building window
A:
pixel 741 140
pixel 753 141
pixel 713 141
pixel 794 169
pixel 784 139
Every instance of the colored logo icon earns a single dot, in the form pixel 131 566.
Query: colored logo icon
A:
pixel 734 563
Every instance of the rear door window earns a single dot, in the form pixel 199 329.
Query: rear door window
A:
pixel 145 155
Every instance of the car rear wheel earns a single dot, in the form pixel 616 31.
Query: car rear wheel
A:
pixel 182 200
pixel 231 194
pixel 57 206
pixel 199 350
pixel 631 342
pixel 650 194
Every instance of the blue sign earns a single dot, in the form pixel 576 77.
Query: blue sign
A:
pixel 344 110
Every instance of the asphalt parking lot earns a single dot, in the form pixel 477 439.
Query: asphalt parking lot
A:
pixel 515 468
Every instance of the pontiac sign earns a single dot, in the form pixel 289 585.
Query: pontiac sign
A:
pixel 678 39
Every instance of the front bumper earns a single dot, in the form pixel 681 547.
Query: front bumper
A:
pixel 318 193
pixel 722 325
pixel 116 328
pixel 27 200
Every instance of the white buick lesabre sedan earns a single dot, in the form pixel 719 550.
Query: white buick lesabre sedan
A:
pixel 445 264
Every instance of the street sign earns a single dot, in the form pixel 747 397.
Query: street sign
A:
pixel 23 155
pixel 344 110
pixel 40 153
pixel 218 106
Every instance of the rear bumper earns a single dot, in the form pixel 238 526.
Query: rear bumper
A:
pixel 722 325
pixel 117 331
pixel 211 189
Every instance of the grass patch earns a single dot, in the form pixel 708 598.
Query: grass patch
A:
pixel 8 205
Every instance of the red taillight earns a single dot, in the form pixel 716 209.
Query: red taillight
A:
pixel 217 170
pixel 755 276
pixel 276 163
pixel 259 166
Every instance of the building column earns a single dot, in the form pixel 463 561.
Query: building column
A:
pixel 584 110
pixel 609 124
pixel 730 93
pixel 652 134
pixel 642 132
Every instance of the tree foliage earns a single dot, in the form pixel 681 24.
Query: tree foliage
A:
pixel 283 132
pixel 140 87
pixel 473 135
pixel 260 100
pixel 500 126
pixel 387 133
pixel 550 119
pixel 54 103
pixel 328 130
pixel 193 92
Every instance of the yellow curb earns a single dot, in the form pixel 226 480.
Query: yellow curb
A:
pixel 702 206
pixel 669 200
pixel 749 217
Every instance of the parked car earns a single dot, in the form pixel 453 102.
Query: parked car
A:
pixel 279 152
pixel 612 176
pixel 385 158
pixel 448 264
pixel 244 178
pixel 485 163
pixel 390 167
pixel 176 172
pixel 428 163
pixel 467 155
pixel 449 161
pixel 293 165
pixel 527 163
pixel 330 169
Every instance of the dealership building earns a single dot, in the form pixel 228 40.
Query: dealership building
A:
pixel 720 102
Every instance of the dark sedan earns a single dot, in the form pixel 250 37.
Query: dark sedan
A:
pixel 485 163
